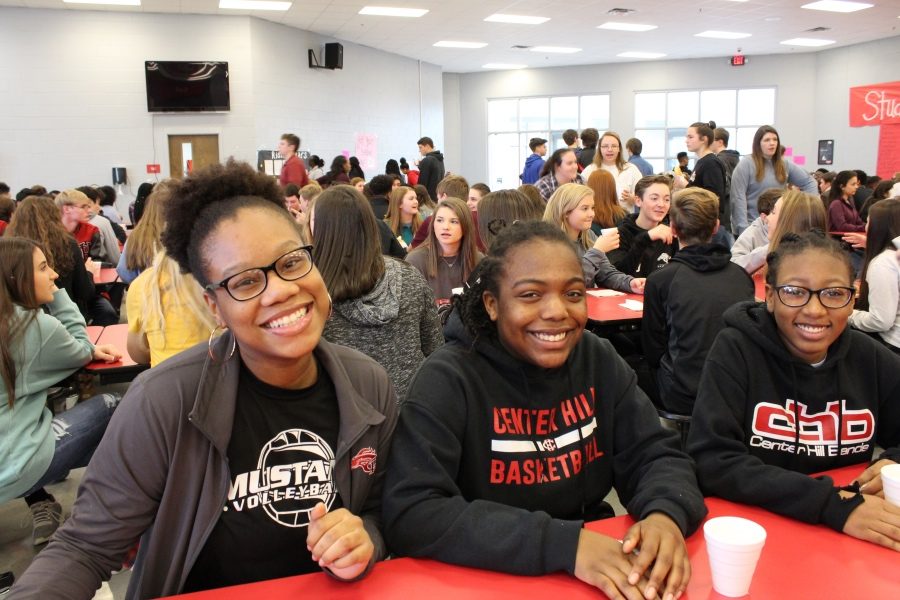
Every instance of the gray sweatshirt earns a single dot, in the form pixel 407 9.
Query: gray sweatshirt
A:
pixel 396 323
pixel 752 246
pixel 745 189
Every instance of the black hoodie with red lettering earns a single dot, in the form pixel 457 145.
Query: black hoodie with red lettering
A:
pixel 753 392
pixel 496 463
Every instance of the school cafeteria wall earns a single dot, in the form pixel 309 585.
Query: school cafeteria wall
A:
pixel 837 71
pixel 453 124
pixel 811 96
pixel 375 93
pixel 73 101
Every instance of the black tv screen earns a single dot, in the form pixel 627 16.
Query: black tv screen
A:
pixel 176 86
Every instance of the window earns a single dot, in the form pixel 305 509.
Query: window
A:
pixel 512 122
pixel 661 119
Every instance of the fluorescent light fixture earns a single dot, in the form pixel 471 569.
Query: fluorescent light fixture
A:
pixel 108 2
pixel 626 26
pixel 640 55
pixel 516 19
pixel 253 5
pixel 555 49
pixel 722 35
pixel 838 6
pixel 451 44
pixel 810 42
pixel 502 66
pixel 390 11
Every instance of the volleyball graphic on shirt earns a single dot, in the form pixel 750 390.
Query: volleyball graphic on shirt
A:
pixel 293 474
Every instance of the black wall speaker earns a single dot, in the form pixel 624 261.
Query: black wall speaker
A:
pixel 118 175
pixel 334 56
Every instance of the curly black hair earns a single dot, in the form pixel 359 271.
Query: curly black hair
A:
pixel 201 201
pixel 487 276
pixel 793 244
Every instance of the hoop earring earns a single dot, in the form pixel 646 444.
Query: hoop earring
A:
pixel 209 342
pixel 330 306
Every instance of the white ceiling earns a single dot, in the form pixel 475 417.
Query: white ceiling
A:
pixel 572 23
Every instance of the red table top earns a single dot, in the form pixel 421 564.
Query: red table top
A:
pixel 117 335
pixel 106 275
pixel 93 333
pixel 798 561
pixel 606 309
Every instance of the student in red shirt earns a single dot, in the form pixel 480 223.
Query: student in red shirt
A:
pixel 74 207
pixel 293 170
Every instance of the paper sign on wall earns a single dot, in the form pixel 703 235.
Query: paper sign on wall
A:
pixel 367 150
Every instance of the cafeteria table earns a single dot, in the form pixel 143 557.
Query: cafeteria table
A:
pixel 124 369
pixel 606 310
pixel 93 333
pixel 799 561
pixel 106 276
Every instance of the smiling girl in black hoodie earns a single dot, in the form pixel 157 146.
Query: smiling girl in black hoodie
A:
pixel 793 360
pixel 514 432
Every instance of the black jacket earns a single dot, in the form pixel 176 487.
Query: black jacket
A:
pixel 683 306
pixel 497 462
pixel 753 391
pixel 389 244
pixel 730 158
pixel 638 255
pixel 431 171
pixel 380 206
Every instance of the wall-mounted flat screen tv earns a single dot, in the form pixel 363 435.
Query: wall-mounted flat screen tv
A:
pixel 179 86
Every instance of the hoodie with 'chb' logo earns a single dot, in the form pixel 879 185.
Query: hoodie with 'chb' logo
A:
pixel 764 420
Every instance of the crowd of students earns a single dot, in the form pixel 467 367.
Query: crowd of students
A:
pixel 409 368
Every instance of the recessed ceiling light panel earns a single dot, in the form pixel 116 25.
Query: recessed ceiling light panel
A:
pixel 390 11
pixel 722 35
pixel 616 26
pixel 839 6
pixel 809 42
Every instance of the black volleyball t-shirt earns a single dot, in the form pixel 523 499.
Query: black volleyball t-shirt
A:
pixel 281 459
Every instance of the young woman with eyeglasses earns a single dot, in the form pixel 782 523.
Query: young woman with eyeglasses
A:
pixel 610 157
pixel 257 455
pixel 789 390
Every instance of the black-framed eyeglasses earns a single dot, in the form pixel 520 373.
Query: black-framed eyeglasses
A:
pixel 796 296
pixel 250 283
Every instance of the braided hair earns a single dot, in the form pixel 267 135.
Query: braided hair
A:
pixel 487 276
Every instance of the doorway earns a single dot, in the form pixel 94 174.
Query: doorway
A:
pixel 190 152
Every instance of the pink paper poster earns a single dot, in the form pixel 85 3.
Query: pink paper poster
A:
pixel 788 151
pixel 799 160
pixel 367 150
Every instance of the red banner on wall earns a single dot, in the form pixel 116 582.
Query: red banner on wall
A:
pixel 877 104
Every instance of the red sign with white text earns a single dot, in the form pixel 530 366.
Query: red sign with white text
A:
pixel 877 104
pixel 153 168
